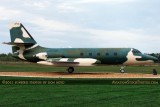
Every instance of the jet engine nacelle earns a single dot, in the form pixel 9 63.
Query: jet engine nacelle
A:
pixel 42 55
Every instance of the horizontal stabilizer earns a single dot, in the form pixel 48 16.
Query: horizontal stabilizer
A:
pixel 18 44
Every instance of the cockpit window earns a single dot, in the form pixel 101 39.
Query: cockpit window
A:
pixel 136 51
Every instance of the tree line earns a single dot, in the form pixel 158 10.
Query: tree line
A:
pixel 8 57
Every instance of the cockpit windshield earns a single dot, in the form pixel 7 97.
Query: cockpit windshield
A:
pixel 136 51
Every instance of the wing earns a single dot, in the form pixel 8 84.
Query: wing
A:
pixel 70 62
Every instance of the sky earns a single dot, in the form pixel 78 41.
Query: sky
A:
pixel 85 23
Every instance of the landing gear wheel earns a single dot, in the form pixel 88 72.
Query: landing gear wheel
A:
pixel 154 72
pixel 70 70
pixel 122 69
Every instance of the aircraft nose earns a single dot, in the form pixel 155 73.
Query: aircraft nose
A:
pixel 154 59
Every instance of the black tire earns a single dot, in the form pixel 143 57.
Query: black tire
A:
pixel 154 72
pixel 70 70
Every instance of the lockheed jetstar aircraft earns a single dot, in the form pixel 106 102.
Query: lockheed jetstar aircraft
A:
pixel 26 48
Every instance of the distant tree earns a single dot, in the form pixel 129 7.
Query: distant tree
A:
pixel 7 57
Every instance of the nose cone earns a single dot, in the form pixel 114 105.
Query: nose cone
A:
pixel 154 59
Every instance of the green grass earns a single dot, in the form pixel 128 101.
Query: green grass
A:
pixel 77 95
pixel 31 67
pixel 80 95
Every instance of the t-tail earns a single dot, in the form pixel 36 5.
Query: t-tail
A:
pixel 20 37
pixel 21 41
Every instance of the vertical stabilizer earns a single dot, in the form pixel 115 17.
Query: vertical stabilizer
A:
pixel 20 38
pixel 19 34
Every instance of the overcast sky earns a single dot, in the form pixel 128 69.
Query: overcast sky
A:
pixel 85 23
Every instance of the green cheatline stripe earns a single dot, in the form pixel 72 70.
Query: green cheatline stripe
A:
pixel 80 82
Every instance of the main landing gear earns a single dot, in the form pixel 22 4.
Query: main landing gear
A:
pixel 70 70
pixel 122 69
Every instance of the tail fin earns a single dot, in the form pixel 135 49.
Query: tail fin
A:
pixel 20 37
pixel 19 34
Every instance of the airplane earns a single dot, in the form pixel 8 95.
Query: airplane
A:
pixel 26 48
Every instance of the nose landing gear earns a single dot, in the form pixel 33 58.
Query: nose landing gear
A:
pixel 122 69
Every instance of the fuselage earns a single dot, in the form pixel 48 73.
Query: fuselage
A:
pixel 103 56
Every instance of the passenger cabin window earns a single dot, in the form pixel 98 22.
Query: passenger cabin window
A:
pixel 98 54
pixel 115 54
pixel 90 54
pixel 63 56
pixel 107 54
pixel 81 54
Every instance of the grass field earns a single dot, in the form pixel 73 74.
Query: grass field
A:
pixel 77 95
pixel 80 95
